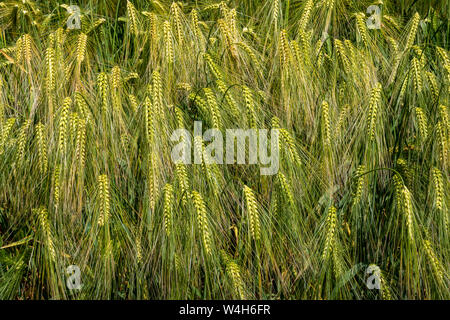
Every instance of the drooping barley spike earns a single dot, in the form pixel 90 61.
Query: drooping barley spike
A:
pixel 398 188
pixel 27 48
pixel 443 56
pixel 442 143
pixel 200 102
pixel 103 87
pixel 436 265
pixel 228 98
pixel 157 93
pixel 330 237
pixel 81 48
pixel 326 127
pixel 340 50
pixel 413 31
pixel 213 66
pixel 250 53
pixel 42 147
pixel 250 107
pixel 196 26
pixel 81 103
pixel 342 119
pixel 73 125
pixel 275 12
pixel 170 55
pixel 408 212
pixel 284 50
pixel 202 220
pixel 45 226
pixel 50 81
pixel 153 179
pixel 213 107
pixel 63 125
pixel 226 34
pixel 56 185
pixel 133 102
pixel 19 50
pixel 7 127
pixel 104 200
pixel 176 12
pixel 180 118
pixel 359 184
pixel 234 272
pixel 417 76
pixel 289 144
pixel 444 118
pixel 183 181
pixel 361 27
pixel 81 143
pixel 432 83
pixel 138 249
pixel 306 14
pixel 23 133
pixel 422 123
pixel 286 189
pixel 375 99
pixel 116 82
pixel 252 212
pixel 168 205
pixel 132 16
pixel 149 127
pixel 438 188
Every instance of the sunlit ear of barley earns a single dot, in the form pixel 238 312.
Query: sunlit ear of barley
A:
pixel 42 147
pixel 213 66
pixel 183 181
pixel 133 102
pixel 331 224
pixel 48 239
pixel 116 82
pixel 436 265
pixel 81 103
pixel 286 189
pixel 102 83
pixel 422 123
pixel 56 185
pixel 250 107
pixel 417 76
pixel 234 272
pixel 252 213
pixel 340 50
pixel 176 12
pixel 81 48
pixel 408 212
pixel 153 179
pixel 81 143
pixel 359 184
pixel 132 18
pixel 157 93
pixel 170 55
pixel 374 102
pixel 214 109
pixel 361 27
pixel 228 97
pixel 326 127
pixel 168 213
pixel 202 220
pixel 306 14
pixel 104 200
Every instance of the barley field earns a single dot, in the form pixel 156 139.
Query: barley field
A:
pixel 92 206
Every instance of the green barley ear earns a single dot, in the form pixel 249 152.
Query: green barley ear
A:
pixel 104 200
pixel 252 211
pixel 157 93
pixel 80 150
pixel 417 76
pixel 286 189
pixel 361 27
pixel 133 102
pixel 168 204
pixel 183 181
pixel 438 188
pixel 359 184
pixel 170 55
pixel 202 220
pixel 228 97
pixel 213 66
pixel 250 107
pixel 81 103
pixel 81 48
pixel 374 104
pixel 306 14
pixel 56 185
pixel 176 12
pixel 422 123
pixel 413 31
pixel 436 265
pixel 7 127
pixel 326 127
pixel 132 16
pixel 63 125
pixel 42 147
pixel 442 142
pixel 234 272
pixel 408 212
pixel 284 51
pixel 116 82
pixel 444 118
pixel 42 214
pixel 152 179
pixel 214 108
pixel 103 88
pixel 340 50
pixel 23 140
pixel 330 237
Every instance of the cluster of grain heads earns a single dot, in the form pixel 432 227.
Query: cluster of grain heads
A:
pixel 252 213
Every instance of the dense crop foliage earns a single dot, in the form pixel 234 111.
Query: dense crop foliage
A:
pixel 86 176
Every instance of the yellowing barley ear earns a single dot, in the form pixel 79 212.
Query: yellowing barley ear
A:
pixel 5 133
pixel 442 143
pixel 438 188
pixel 183 181
pixel 56 185
pixel 42 147
pixel 104 200
pixel 80 150
pixel 284 50
pixel 176 12
pixel 103 88
pixel 361 27
pixel 81 103
pixel 202 220
pixel 133 102
pixel 330 236
pixel 132 18
pixel 340 50
pixel 326 127
pixel 417 76
pixel 375 98
pixel 157 93
pixel 153 179
pixel 306 14
pixel 213 66
pixel 228 98
pixel 168 212
pixel 408 212
pixel 252 213
pixel 116 82
pixel 63 125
